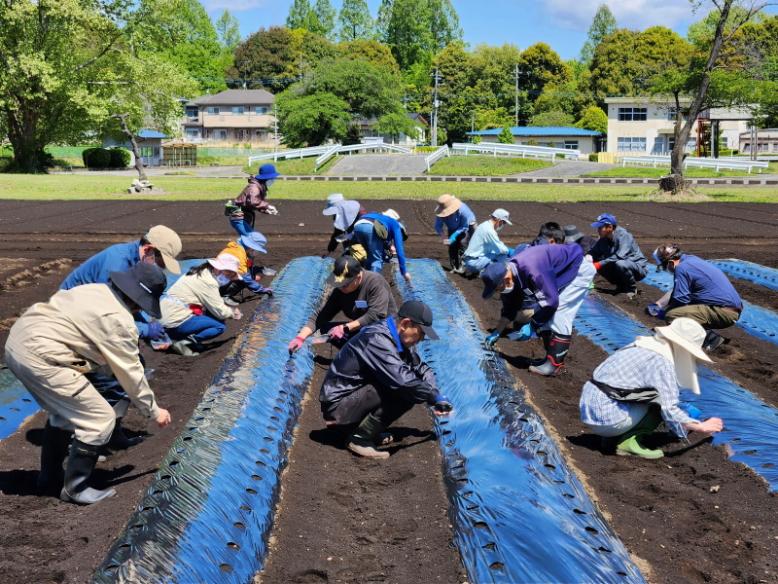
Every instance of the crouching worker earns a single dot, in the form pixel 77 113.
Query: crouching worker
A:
pixel 193 311
pixel 53 345
pixel 245 249
pixel 459 222
pixel 636 388
pixel 617 256
pixel 701 291
pixel 378 376
pixel 364 297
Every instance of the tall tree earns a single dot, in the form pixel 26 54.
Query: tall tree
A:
pixel 355 21
pixel 603 24
pixel 264 60
pixel 444 23
pixel 541 65
pixel 228 30
pixel 299 14
pixel 593 118
pixel 325 17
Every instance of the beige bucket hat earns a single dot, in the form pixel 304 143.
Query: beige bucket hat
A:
pixel 447 205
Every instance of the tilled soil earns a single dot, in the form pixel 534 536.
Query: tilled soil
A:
pixel 359 521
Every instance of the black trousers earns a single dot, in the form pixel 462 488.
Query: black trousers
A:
pixel 457 249
pixel 386 405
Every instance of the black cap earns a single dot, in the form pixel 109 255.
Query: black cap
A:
pixel 344 270
pixel 143 284
pixel 420 314
pixel 572 234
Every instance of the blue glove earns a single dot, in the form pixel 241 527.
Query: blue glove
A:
pixel 525 333
pixel 491 339
pixel 154 330
pixel 453 238
pixel 442 404
pixel 655 310
pixel 511 250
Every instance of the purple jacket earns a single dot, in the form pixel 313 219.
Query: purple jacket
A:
pixel 541 273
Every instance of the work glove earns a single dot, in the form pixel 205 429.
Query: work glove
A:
pixel 525 333
pixel 491 339
pixel 267 291
pixel 655 310
pixel 446 241
pixel 442 405
pixel 154 330
pixel 270 210
pixel 295 345
pixel 597 265
pixel 161 343
pixel 338 332
pixel 511 251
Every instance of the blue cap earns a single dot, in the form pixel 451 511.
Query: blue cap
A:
pixel 605 219
pixel 254 240
pixel 267 172
pixel 492 276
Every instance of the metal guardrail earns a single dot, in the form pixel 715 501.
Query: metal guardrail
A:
pixel 691 161
pixel 338 149
pixel 523 150
pixel 437 155
pixel 285 154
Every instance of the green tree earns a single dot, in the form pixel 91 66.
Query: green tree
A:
pixel 371 51
pixel 541 65
pixel 394 124
pixel 311 120
pixel 552 118
pixel 593 118
pixel 571 96
pixel 299 14
pixel 456 93
pixel 325 17
pixel 355 21
pixel 603 24
pixel 228 30
pixel 506 136
pixel 265 59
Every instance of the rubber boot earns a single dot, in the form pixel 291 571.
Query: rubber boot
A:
pixel 54 450
pixel 558 347
pixel 185 347
pixel 628 444
pixel 363 441
pixel 119 440
pixel 713 341
pixel 81 463
pixel 545 336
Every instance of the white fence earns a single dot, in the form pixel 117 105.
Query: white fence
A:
pixel 730 163
pixel 523 150
pixel 338 149
pixel 441 152
pixel 285 154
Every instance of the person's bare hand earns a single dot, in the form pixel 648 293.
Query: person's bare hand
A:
pixel 407 277
pixel 709 426
pixel 163 418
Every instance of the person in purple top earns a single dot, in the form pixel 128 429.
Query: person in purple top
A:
pixel 557 277
pixel 459 222
pixel 377 231
pixel 701 291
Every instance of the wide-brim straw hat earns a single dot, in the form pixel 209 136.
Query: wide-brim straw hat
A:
pixel 447 205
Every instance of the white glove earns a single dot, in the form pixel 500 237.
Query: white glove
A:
pixel 271 210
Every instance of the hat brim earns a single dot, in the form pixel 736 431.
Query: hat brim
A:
pixel 507 221
pixel 443 212
pixel 669 334
pixel 331 210
pixel 127 283
pixel 223 266
pixel 267 176
pixel 598 224
pixel 574 238
pixel 333 280
pixel 252 244
pixel 429 332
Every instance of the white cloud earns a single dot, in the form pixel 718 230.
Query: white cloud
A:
pixel 233 5
pixel 637 14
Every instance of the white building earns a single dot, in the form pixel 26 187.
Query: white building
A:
pixel 645 125
pixel 766 141
pixel 235 115
pixel 568 138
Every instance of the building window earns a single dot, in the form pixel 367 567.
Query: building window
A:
pixel 631 144
pixel 238 110
pixel 221 134
pixel 213 109
pixel 571 144
pixel 633 114
pixel 192 133
pixel 260 109
pixel 192 111
pixel 671 112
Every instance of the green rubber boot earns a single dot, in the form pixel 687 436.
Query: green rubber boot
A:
pixel 631 447
pixel 364 440
pixel 628 444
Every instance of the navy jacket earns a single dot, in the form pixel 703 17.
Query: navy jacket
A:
pixel 375 356
pixel 700 282
pixel 622 247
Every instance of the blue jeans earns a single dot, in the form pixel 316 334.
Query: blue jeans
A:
pixel 241 226
pixel 364 234
pixel 201 328
pixel 475 265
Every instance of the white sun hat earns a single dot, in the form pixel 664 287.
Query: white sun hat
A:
pixel 686 337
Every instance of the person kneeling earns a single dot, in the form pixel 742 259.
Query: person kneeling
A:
pixel 636 388
pixel 185 305
pixel 378 376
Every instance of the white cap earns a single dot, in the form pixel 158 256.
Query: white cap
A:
pixel 334 198
pixel 392 213
pixel 226 262
pixel 502 215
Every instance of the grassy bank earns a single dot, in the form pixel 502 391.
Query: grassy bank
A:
pixel 87 187
pixel 648 172
pixel 485 166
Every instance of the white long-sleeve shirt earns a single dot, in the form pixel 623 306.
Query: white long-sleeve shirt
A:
pixel 485 242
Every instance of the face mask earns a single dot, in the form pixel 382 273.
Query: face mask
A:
pixel 508 290
pixel 222 279
pixel 499 228
pixel 270 183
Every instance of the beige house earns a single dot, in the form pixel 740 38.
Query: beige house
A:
pixel 232 116
pixel 645 125
pixel 766 141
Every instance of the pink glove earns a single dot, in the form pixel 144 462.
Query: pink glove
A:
pixel 295 344
pixel 337 332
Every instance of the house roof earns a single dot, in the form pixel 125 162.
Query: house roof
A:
pixel 538 131
pixel 236 97
pixel 148 134
pixel 642 99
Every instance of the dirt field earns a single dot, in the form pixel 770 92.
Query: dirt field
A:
pixel 354 521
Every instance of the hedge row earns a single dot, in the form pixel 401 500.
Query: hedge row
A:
pixel 106 157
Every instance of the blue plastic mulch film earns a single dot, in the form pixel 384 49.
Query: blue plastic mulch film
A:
pixel 16 404
pixel 750 432
pixel 209 510
pixel 749 271
pixel 759 322
pixel 520 514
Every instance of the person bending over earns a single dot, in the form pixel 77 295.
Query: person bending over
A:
pixel 378 376
pixel 459 222
pixel 344 215
pixel 617 256
pixel 364 297
pixel 376 232
pixel 636 388
pixel 245 250
pixel 701 291
pixel 485 246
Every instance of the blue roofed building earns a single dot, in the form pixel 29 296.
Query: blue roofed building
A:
pixel 570 138
pixel 149 142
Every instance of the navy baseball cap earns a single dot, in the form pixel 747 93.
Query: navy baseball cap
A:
pixel 605 219
pixel 492 276
pixel 420 314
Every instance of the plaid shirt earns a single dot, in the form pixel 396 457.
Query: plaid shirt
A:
pixel 633 368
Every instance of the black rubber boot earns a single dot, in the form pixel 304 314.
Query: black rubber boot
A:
pixel 119 440
pixel 81 463
pixel 53 452
pixel 363 441
pixel 713 341
pixel 558 347
pixel 545 336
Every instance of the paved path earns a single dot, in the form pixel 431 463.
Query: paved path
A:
pixel 379 165
pixel 198 171
pixel 568 168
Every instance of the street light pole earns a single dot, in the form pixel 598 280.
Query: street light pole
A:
pixel 516 96
pixel 435 106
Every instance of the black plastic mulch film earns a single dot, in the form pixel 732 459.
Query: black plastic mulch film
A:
pixel 208 512
pixel 520 514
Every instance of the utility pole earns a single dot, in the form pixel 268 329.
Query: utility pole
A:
pixel 435 106
pixel 275 127
pixel 516 96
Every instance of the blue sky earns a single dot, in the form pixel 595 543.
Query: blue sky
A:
pixel 560 23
